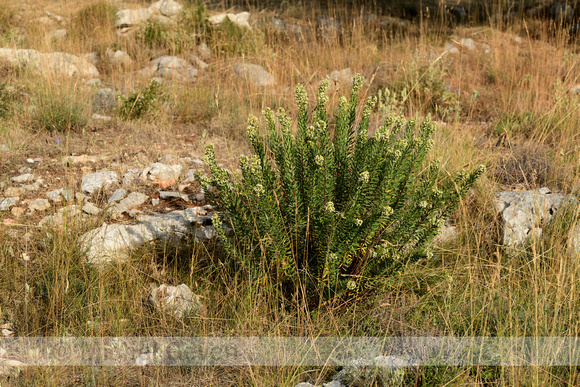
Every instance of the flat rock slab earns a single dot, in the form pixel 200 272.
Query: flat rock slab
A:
pixel 53 63
pixel 115 242
pixel 524 212
pixel 94 182
pixel 23 178
pixel 173 195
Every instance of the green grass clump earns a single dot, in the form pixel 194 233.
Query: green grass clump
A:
pixel 153 34
pixel 5 101
pixel 326 215
pixel 140 103
pixel 93 19
pixel 7 18
pixel 60 109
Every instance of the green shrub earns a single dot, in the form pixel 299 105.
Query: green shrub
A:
pixel 153 34
pixel 60 109
pixel 326 214
pixel 194 18
pixel 140 103
pixel 229 38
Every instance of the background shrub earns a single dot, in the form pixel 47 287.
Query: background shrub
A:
pixel 137 105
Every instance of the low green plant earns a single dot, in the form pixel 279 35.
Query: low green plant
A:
pixel 326 215
pixel 153 34
pixel 60 109
pixel 137 105
pixel 194 18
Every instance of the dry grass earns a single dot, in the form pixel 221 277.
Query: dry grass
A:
pixel 508 108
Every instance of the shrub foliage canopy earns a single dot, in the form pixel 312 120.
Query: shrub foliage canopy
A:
pixel 327 214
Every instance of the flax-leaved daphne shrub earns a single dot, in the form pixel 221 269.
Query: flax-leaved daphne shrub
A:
pixel 327 214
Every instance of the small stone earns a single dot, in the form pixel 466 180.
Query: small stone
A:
pixel 118 195
pixel 68 195
pixel 133 213
pixel 30 161
pixel 82 159
pixel 469 43
pixel 96 181
pixel 55 195
pixel 101 117
pixel 25 170
pixel 190 176
pixel 7 332
pixel 7 203
pixel 451 49
pixel 154 202
pixel 575 90
pixel 175 300
pixel 254 74
pixel 14 191
pixel 200 197
pixel 204 51
pixel 240 19
pixel 341 77
pixel 162 174
pixel 205 233
pixel 58 219
pixel 544 191
pixel 198 62
pixel 118 58
pixel 135 199
pixel 128 178
pixel 91 209
pixel 80 197
pixel 172 194
pixel 39 205
pixel 17 212
pixel 23 178
pixel 31 187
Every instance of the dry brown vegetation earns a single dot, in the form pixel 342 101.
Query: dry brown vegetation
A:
pixel 505 104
